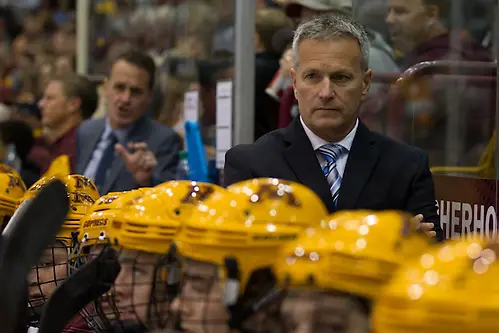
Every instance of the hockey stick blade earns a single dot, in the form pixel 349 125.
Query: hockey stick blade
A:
pixel 29 232
pixel 86 285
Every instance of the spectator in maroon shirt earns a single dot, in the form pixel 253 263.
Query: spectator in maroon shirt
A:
pixel 422 31
pixel 67 101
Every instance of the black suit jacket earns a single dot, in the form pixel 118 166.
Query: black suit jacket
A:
pixel 380 173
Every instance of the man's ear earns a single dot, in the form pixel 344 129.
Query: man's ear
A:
pixel 106 85
pixel 366 84
pixel 293 78
pixel 74 104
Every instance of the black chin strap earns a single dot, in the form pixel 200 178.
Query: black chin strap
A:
pixel 231 290
pixel 128 326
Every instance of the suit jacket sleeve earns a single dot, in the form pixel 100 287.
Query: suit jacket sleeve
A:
pixel 235 168
pixel 168 157
pixel 421 198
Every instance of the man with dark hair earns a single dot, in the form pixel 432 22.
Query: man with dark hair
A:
pixel 67 101
pixel 126 149
pixel 420 30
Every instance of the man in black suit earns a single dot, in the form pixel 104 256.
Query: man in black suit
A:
pixel 327 148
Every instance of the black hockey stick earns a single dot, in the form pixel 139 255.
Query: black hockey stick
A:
pixel 30 231
pixel 77 291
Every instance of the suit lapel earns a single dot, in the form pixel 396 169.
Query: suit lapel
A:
pixel 360 164
pixel 138 133
pixel 302 160
pixel 91 138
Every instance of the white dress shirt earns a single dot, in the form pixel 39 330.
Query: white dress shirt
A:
pixel 318 142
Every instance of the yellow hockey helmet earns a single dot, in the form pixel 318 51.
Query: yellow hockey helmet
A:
pixel 354 251
pixel 150 223
pixel 96 225
pixel 12 189
pixel 449 288
pixel 279 202
pixel 4 168
pixel 185 195
pixel 247 223
pixel 82 194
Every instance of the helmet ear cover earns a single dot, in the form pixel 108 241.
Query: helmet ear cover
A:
pixel 260 293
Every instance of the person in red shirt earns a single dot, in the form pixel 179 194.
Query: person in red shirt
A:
pixel 423 30
pixel 67 101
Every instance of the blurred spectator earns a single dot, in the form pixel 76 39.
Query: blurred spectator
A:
pixel 210 72
pixel 20 134
pixel 269 22
pixel 67 101
pixel 372 14
pixel 420 30
pixel 194 25
pixel 64 64
pixel 27 86
pixel 126 149
pixel 172 113
pixel 64 40
pixel 10 24
pixel 224 34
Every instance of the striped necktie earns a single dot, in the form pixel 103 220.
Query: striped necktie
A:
pixel 331 153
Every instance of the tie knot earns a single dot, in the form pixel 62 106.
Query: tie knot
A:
pixel 332 151
pixel 112 138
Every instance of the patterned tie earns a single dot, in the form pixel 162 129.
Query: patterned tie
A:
pixel 331 153
pixel 105 162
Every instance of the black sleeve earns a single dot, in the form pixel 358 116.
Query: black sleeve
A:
pixel 421 199
pixel 235 168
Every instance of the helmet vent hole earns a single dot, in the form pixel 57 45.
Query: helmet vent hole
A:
pixel 310 280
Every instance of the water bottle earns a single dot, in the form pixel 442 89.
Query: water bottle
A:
pixel 183 167
pixel 11 159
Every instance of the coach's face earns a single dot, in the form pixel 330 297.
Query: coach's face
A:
pixel 128 94
pixel 329 84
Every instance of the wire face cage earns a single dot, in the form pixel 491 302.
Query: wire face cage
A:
pixel 51 271
pixel 140 297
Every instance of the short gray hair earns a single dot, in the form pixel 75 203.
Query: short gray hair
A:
pixel 329 27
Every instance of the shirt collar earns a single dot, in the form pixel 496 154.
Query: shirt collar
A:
pixel 318 142
pixel 121 133
pixel 71 132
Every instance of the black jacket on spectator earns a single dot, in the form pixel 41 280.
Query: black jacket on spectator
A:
pixel 266 108
pixel 20 134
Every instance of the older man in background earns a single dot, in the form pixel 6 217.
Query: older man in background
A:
pixel 68 100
